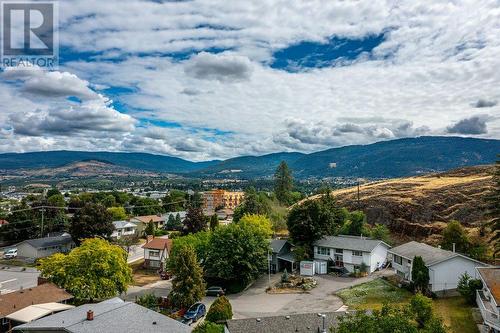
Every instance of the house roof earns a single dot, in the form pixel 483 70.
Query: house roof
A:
pixel 305 322
pixel 491 277
pixel 182 214
pixel 45 293
pixel 49 241
pixel 123 224
pixel 111 316
pixel 355 243
pixel 3 222
pixel 37 311
pixel 430 254
pixel 159 244
pixel 148 218
pixel 277 244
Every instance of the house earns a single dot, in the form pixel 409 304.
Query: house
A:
pixel 488 298
pixel 445 267
pixel 110 316
pixel 156 250
pixel 18 300
pixel 350 252
pixel 32 249
pixel 123 228
pixel 282 256
pixel 3 222
pixel 304 322
pixel 173 216
pixel 141 222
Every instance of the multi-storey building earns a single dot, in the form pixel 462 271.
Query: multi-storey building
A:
pixel 215 199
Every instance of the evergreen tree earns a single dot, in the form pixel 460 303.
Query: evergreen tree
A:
pixel 420 274
pixel 93 220
pixel 150 228
pixel 283 183
pixel 455 233
pixel 188 286
pixel 493 201
pixel 254 203
pixel 214 222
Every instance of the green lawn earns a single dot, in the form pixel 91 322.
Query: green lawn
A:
pixel 455 312
pixel 373 294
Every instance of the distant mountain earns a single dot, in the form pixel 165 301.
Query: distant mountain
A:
pixel 386 159
pixel 141 161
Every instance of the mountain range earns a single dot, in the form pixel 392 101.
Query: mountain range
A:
pixel 385 159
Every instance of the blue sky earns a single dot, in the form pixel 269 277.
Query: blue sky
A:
pixel 202 80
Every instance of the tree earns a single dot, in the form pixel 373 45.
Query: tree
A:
pixel 220 310
pixel 150 228
pixel 117 213
pixel 283 183
pixel 95 270
pixel 188 286
pixel 149 301
pixel 261 222
pixel 109 201
pixel 237 253
pixel 380 231
pixel 311 220
pixel 421 307
pixel 209 327
pixel 93 220
pixel 195 221
pixel 493 212
pixel 174 201
pixel 53 191
pixel 355 225
pixel 214 222
pixel 467 287
pixel 420 274
pixel 126 242
pixel 455 233
pixel 198 241
pixel 254 203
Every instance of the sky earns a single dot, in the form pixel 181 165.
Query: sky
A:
pixel 214 79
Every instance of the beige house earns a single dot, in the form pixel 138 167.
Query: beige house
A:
pixel 141 222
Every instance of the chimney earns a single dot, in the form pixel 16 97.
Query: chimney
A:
pixel 149 238
pixel 453 247
pixel 90 315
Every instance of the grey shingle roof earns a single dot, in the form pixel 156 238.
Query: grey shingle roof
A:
pixel 277 244
pixel 305 322
pixel 429 254
pixel 111 316
pixel 123 224
pixel 349 243
pixel 49 241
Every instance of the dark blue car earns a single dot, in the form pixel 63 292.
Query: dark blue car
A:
pixel 195 312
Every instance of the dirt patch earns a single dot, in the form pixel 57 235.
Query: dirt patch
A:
pixel 142 276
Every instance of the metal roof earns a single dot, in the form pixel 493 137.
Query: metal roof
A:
pixel 356 243
pixel 111 316
pixel 34 312
pixel 277 244
pixel 49 241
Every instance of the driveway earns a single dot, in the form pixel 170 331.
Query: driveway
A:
pixel 136 253
pixel 13 278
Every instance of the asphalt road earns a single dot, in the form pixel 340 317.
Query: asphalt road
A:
pixel 14 278
pixel 136 253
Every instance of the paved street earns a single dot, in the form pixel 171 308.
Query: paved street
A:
pixel 136 253
pixel 13 278
pixel 160 288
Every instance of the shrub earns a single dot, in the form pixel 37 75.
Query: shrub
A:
pixel 421 307
pixel 363 268
pixel 284 277
pixel 209 327
pixel 467 287
pixel 220 310
pixel 149 301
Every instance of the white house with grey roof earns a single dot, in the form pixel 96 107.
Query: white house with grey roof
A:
pixel 32 249
pixel 350 251
pixel 124 228
pixel 445 267
pixel 111 316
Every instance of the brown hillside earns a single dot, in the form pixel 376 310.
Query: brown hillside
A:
pixel 420 207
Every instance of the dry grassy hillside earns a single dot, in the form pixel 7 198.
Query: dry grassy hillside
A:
pixel 420 207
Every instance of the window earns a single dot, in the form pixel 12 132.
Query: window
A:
pixel 324 251
pixel 339 251
pixel 357 253
pixel 155 254
pixel 398 260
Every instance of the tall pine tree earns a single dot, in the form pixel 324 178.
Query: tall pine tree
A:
pixel 283 183
pixel 494 210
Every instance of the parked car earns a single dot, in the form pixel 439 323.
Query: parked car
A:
pixel 195 312
pixel 215 291
pixel 10 254
pixel 164 275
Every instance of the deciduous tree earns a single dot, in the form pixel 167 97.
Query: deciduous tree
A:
pixel 93 220
pixel 195 221
pixel 95 270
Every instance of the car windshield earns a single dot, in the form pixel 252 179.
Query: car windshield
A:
pixel 193 308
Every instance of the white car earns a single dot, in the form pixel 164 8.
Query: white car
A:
pixel 10 254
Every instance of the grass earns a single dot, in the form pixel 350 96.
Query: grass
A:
pixel 373 294
pixel 454 311
pixel 15 262
pixel 142 276
pixel 456 314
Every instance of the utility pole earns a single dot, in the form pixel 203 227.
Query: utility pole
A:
pixel 41 228
pixel 269 268
pixel 358 196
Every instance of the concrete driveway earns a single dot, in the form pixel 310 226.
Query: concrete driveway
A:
pixel 13 278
